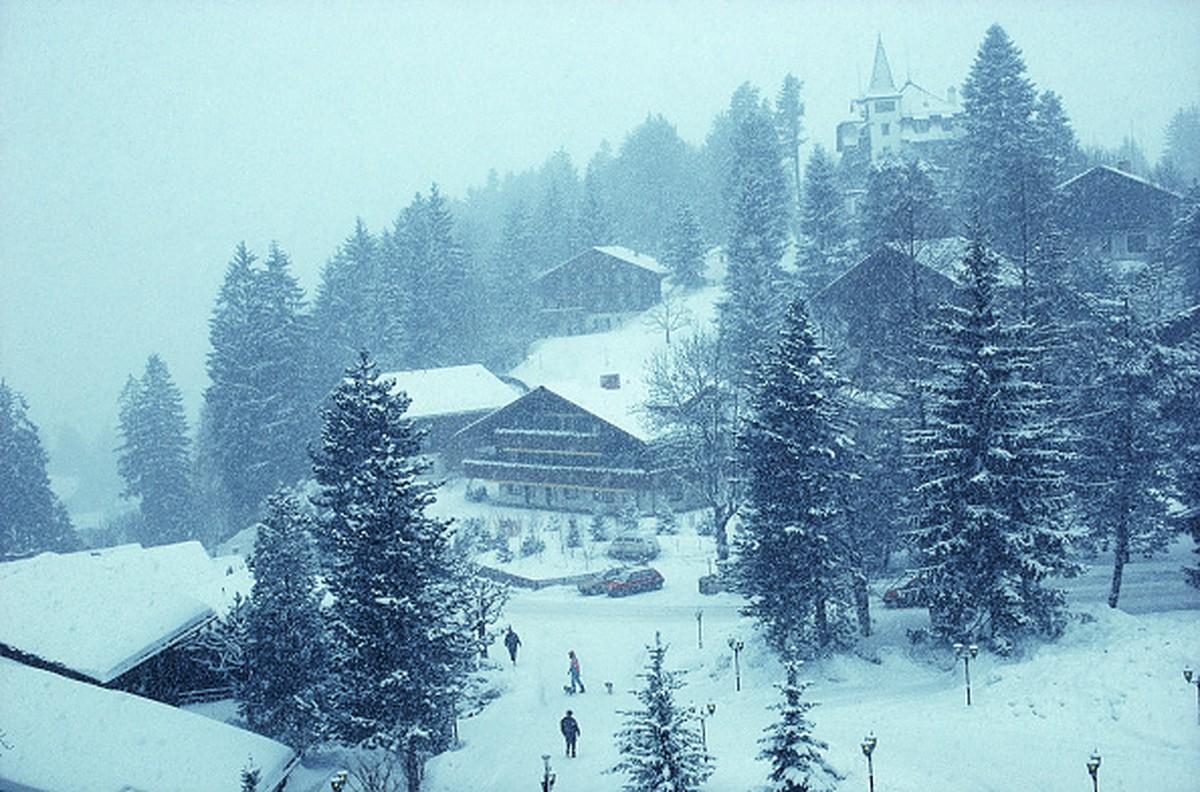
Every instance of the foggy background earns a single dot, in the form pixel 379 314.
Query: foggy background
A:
pixel 140 142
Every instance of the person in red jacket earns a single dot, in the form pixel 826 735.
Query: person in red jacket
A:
pixel 573 672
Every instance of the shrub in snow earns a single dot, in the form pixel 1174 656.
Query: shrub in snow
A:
pixel 628 518
pixel 532 545
pixel 665 523
pixel 660 749
pixel 574 534
pixel 476 494
pixel 599 528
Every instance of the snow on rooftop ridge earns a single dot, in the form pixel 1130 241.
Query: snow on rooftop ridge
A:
pixel 64 734
pixel 1119 172
pixel 451 390
pixel 637 259
pixel 619 407
pixel 102 612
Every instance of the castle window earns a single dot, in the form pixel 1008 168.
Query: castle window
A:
pixel 885 129
pixel 885 106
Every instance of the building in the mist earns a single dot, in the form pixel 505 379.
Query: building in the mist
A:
pixel 904 122
pixel 585 453
pixel 1111 216
pixel 596 289
pixel 444 400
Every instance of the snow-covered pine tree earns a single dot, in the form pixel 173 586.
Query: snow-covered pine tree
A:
pixel 32 518
pixel 825 251
pixel 797 757
pixel 1125 443
pixel 595 221
pixel 359 287
pixel 1183 248
pixel 789 123
pixel 286 653
pixel 400 635
pixel 509 305
pixel 752 308
pixel 792 561
pixel 153 458
pixel 989 470
pixel 901 207
pixel 683 251
pixel 660 749
pixel 250 777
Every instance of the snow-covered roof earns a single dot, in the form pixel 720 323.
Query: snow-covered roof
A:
pixel 64 734
pixel 101 612
pixel 916 102
pixel 451 391
pixel 618 407
pixel 637 259
pixel 1101 168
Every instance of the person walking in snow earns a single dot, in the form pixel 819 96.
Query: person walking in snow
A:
pixel 570 731
pixel 512 641
pixel 573 672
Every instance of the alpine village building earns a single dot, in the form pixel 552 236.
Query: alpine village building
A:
pixel 596 289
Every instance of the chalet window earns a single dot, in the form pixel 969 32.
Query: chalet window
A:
pixel 1136 243
pixel 885 106
pixel 570 494
pixel 885 129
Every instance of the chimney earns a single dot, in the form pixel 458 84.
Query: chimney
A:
pixel 952 95
pixel 610 381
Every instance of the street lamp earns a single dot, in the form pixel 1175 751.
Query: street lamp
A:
pixel 1193 678
pixel 868 748
pixel 339 780
pixel 548 778
pixel 966 653
pixel 705 712
pixel 737 647
pixel 699 628
pixel 1093 766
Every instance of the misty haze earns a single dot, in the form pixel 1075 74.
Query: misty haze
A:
pixel 653 396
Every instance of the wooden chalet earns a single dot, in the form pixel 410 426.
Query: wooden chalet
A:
pixel 595 289
pixel 444 400
pixel 546 451
pixel 1113 216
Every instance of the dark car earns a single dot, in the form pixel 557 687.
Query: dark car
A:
pixel 908 592
pixel 634 581
pixel 598 583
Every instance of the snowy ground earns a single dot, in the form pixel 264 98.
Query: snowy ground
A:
pixel 1113 683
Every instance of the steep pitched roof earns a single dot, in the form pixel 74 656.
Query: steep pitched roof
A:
pixel 611 407
pixel 881 74
pixel 623 254
pixel 65 734
pixel 99 613
pixel 1098 171
pixel 452 390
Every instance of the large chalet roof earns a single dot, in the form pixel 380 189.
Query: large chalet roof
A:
pixel 452 390
pixel 99 613
pixel 622 254
pixel 614 407
pixel 1105 197
pixel 1100 173
pixel 65 734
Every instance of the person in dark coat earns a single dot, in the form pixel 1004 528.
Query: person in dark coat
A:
pixel 512 641
pixel 570 730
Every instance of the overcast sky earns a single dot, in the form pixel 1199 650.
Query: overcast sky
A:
pixel 139 142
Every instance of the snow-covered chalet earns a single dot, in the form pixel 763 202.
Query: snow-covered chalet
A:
pixel 593 291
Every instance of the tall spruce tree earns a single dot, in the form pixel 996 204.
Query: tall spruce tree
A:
pixel 789 121
pixel 797 758
pixel 32 518
pixel 509 305
pixel 683 251
pixel 286 651
pixel 154 456
pixel 1183 248
pixel 989 465
pixel 399 633
pixel 360 295
pixel 751 311
pixel 660 749
pixel 824 251
pixel 793 560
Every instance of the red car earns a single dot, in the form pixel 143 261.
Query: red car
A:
pixel 634 581
pixel 908 592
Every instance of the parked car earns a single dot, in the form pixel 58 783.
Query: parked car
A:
pixel 634 581
pixel 632 547
pixel 598 583
pixel 907 592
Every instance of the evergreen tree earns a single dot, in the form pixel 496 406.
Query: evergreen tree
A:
pixel 900 207
pixel 660 749
pixel 683 252
pixel 989 466
pixel 825 252
pixel 400 638
pixel 715 199
pixel 154 459
pixel 1183 145
pixel 32 519
pixel 360 294
pixel 651 176
pixel 1183 248
pixel 797 758
pixel 509 302
pixel 250 777
pixel 789 121
pixel 595 219
pixel 751 310
pixel 1055 138
pixel 286 651
pixel 793 564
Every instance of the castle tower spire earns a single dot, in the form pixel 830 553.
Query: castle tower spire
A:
pixel 881 73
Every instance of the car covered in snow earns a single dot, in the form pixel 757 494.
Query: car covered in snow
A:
pixel 598 583
pixel 907 592
pixel 634 547
pixel 634 581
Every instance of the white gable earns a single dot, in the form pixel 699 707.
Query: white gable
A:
pixel 102 612
pixel 451 391
pixel 630 257
pixel 63 734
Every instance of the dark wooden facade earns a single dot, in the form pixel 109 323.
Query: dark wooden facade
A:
pixel 596 288
pixel 1110 215
pixel 544 451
